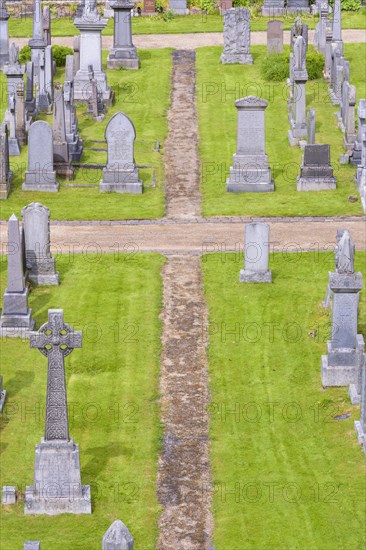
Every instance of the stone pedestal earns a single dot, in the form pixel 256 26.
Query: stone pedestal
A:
pixel 250 171
pixel 4 35
pixel 179 7
pixel 316 172
pixel 123 53
pixel 57 487
pixel 256 254
pixel 341 365
pixel 90 26
pixel 236 37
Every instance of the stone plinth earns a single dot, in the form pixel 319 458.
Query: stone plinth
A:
pixel 256 254
pixel 316 173
pixel 250 171
pixel 123 53
pixel 236 37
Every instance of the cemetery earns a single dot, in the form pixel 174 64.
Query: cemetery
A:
pixel 182 271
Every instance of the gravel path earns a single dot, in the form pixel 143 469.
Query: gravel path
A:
pixel 195 40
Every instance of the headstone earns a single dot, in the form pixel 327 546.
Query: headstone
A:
pixel 90 25
pixel 357 147
pixel 179 7
pixel 225 5
pixel 361 168
pixel 360 425
pixel 8 495
pixel 38 49
pixel 250 170
pixel 342 365
pixel 14 72
pixel 299 29
pixel 57 487
pixel 328 296
pixel 237 37
pixel 298 6
pixel 272 8
pixel 61 159
pixel 123 53
pixel 40 175
pixel 274 37
pixel 256 254
pixel 74 142
pixel 76 47
pixel 96 105
pixel 30 102
pixel 149 7
pixel 4 34
pixel 328 51
pixel 118 537
pixel 121 173
pixel 40 266
pixel 297 117
pixel 16 318
pixel 349 118
pixel 321 28
pixel 311 123
pixel 337 21
pixel 316 173
pixel 48 71
pixel 20 117
pixel 47 25
pixel 32 545
pixel 6 174
pixel 2 394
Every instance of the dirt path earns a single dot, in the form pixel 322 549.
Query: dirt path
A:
pixel 184 476
pixel 191 41
pixel 182 194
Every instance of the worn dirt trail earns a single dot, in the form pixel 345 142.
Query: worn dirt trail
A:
pixel 184 480
pixel 182 194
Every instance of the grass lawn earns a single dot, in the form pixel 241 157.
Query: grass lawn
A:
pixel 144 96
pixel 112 385
pixel 286 473
pixel 218 86
pixel 21 28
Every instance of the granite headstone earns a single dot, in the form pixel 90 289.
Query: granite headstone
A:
pixel 40 175
pixel 256 254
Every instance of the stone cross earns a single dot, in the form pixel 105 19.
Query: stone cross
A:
pixel 118 537
pixel 56 340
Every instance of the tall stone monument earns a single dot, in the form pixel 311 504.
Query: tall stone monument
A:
pixel 2 394
pixel 61 157
pixel 297 116
pixel 118 537
pixel 123 53
pixel 74 142
pixel 316 173
pixel 38 49
pixel 30 101
pixel 16 318
pixel 57 487
pixel 256 254
pixel 250 171
pixel 4 34
pixel 14 72
pixel 90 25
pixel 237 37
pixel 40 175
pixel 40 266
pixel 341 366
pixel 121 173
pixel 6 174
pixel 321 28
pixel 46 22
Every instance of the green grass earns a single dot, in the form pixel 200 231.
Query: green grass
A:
pixel 218 86
pixel 144 96
pixel 112 385
pixel 293 447
pixel 22 28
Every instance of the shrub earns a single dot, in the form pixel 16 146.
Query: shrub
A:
pixel 59 54
pixel 275 67
pixel 25 55
pixel 314 64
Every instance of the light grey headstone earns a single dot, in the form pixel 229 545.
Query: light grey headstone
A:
pixel 57 487
pixel 236 37
pixel 8 495
pixel 337 21
pixel 61 156
pixel 273 7
pixel 361 141
pixel 40 175
pixel 39 262
pixel 117 537
pixel 297 118
pixel 250 170
pixel 179 7
pixel 5 173
pixel 120 174
pixel 4 34
pixel 123 53
pixel 46 22
pixel 316 173
pixel 274 37
pixel 256 254
pixel 311 126
pixel 32 545
pixel 16 318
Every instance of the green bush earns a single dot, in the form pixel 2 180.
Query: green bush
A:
pixel 275 67
pixel 314 64
pixel 348 5
pixel 25 55
pixel 59 54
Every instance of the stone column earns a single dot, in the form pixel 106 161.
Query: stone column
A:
pixel 75 144
pixel 90 25
pixel 16 318
pixel 29 88
pixel 117 537
pixel 5 173
pixel 123 53
pixel 250 170
pixel 20 129
pixel 61 159
pixel 4 35
pixel 38 47
pixel 328 51
pixel 298 130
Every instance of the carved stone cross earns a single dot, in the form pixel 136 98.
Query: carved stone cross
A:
pixel 55 339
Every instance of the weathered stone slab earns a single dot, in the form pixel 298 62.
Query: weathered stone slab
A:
pixel 118 537
pixel 272 8
pixel 32 545
pixel 40 175
pixel 121 174
pixel 4 34
pixel 8 495
pixel 256 254
pixel 236 37
pixel 274 37
pixel 6 174
pixel 2 394
pixel 316 173
pixel 311 124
